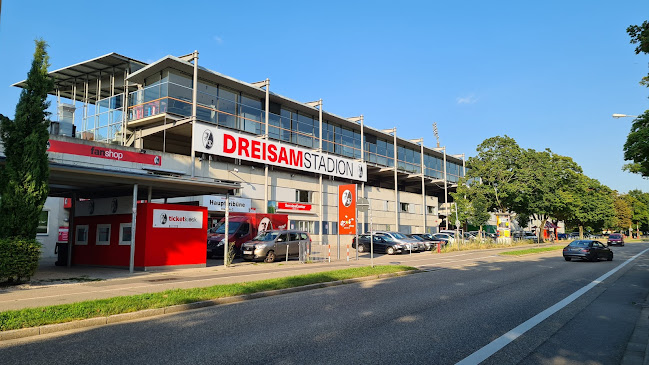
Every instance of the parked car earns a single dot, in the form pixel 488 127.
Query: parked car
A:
pixel 382 244
pixel 444 237
pixel 587 250
pixel 615 239
pixel 242 227
pixel 408 243
pixel 269 245
pixel 430 242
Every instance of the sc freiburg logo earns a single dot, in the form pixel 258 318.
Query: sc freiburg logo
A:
pixel 208 139
pixel 163 218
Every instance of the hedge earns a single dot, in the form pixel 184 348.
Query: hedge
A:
pixel 18 258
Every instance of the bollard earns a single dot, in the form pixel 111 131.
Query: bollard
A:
pixel 329 252
pixel 439 247
pixel 348 252
pixel 287 246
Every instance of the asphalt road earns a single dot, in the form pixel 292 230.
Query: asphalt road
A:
pixel 437 317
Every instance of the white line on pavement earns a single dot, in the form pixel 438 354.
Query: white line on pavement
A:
pixel 502 341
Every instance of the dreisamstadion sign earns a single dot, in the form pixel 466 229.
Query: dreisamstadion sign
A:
pixel 213 140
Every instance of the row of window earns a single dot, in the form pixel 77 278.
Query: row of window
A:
pixel 102 234
pixel 306 196
pixel 331 228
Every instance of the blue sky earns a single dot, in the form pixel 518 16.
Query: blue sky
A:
pixel 548 74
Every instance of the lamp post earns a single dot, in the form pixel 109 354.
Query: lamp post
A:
pixel 618 116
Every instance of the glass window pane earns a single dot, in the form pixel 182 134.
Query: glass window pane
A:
pixel 43 221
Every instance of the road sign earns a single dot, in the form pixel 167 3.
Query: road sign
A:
pixel 362 204
pixel 457 223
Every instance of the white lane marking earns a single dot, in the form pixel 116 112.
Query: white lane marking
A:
pixel 502 341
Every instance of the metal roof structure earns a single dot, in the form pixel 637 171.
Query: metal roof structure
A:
pixel 91 70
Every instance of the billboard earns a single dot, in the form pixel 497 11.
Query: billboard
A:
pixel 222 142
pixel 347 209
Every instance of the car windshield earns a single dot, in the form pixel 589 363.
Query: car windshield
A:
pixel 614 235
pixel 579 243
pixel 232 227
pixel 399 235
pixel 387 238
pixel 266 236
pixel 417 238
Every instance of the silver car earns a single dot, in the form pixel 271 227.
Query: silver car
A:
pixel 407 242
pixel 271 245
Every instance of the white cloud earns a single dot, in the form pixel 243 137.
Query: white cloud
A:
pixel 470 99
pixel 218 39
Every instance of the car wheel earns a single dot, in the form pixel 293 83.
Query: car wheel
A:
pixel 270 257
pixel 610 258
pixel 390 251
pixel 621 244
pixel 361 249
pixel 567 258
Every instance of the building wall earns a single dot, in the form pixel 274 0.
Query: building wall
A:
pixel 283 185
pixel 57 217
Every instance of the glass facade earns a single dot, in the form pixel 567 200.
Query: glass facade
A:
pixel 171 92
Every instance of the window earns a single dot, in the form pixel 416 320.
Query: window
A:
pixel 244 229
pixel 43 223
pixel 405 207
pixel 307 226
pixel 81 235
pixel 303 196
pixel 430 209
pixel 103 234
pixel 125 233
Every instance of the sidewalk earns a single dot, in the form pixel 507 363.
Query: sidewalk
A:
pixel 52 285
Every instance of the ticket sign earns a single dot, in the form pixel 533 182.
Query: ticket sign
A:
pixel 166 218
pixel 347 209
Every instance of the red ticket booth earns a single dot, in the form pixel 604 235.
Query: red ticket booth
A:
pixel 166 235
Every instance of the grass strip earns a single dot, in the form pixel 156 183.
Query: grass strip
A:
pixel 484 245
pixel 33 317
pixel 532 251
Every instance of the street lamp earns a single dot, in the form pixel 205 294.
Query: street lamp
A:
pixel 617 116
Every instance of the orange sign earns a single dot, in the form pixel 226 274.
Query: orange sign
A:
pixel 347 209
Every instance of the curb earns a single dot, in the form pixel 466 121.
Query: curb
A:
pixel 147 313
pixel 637 349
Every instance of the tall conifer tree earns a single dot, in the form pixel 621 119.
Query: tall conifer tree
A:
pixel 24 178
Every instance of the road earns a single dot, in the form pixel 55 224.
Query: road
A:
pixel 437 317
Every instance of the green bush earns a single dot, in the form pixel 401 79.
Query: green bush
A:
pixel 18 258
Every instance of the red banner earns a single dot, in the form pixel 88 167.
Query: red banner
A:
pixel 347 209
pixel 102 152
pixel 294 206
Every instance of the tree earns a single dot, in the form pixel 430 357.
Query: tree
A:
pixel 547 180
pixel 636 147
pixel 472 206
pixel 640 35
pixel 591 205
pixel 640 208
pixel 24 178
pixel 623 213
pixel 494 173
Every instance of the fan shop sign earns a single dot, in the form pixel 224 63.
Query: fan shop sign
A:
pixel 221 142
pixel 106 153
